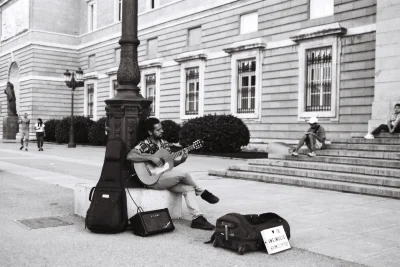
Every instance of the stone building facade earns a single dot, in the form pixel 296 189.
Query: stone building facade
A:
pixel 273 63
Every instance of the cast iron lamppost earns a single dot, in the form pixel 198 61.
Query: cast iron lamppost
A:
pixel 73 83
pixel 128 106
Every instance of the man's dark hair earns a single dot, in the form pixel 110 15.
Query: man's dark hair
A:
pixel 397 105
pixel 149 124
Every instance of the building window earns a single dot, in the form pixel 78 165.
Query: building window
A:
pixel 92 16
pixel 246 78
pixel 152 47
pixel 150 85
pixel 90 100
pixel 249 23
pixel 319 79
pixel 151 91
pixel 192 91
pixel 321 8
pixel 194 36
pixel 118 10
pixel 117 55
pixel 246 86
pixel 319 66
pixel 114 87
pixel 91 61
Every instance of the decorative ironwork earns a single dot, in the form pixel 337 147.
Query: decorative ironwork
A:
pixel 192 91
pixel 246 94
pixel 131 110
pixel 319 79
pixel 117 128
pixel 247 65
pixel 150 79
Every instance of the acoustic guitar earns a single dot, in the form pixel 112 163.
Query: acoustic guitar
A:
pixel 149 173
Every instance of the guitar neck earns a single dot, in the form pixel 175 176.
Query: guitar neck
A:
pixel 180 152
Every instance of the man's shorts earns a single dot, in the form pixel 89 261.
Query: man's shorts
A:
pixel 317 145
pixel 25 135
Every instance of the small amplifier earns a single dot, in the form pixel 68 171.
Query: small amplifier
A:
pixel 151 222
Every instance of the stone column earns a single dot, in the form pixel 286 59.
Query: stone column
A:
pixel 128 107
pixel 387 62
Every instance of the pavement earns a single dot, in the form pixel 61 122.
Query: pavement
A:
pixel 328 228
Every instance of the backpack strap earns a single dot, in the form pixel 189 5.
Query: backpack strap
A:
pixel 211 240
pixel 91 192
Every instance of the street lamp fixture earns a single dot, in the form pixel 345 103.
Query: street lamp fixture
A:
pixel 73 81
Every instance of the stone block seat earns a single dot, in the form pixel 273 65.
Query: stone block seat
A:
pixel 148 199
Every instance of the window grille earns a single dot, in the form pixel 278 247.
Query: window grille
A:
pixel 319 79
pixel 115 86
pixel 90 90
pixel 151 91
pixel 192 91
pixel 246 86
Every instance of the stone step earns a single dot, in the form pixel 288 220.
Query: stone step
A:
pixel 332 167
pixel 315 174
pixel 311 183
pixel 381 135
pixel 372 147
pixel 357 154
pixel 385 163
pixel 376 141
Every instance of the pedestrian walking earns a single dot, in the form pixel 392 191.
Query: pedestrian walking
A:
pixel 39 127
pixel 24 131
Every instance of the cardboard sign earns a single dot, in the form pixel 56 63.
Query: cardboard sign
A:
pixel 275 239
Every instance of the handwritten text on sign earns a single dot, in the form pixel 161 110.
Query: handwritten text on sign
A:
pixel 275 239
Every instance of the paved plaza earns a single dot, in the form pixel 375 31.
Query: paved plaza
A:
pixel 328 228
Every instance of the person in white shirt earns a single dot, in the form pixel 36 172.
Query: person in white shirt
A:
pixel 39 127
pixel 24 131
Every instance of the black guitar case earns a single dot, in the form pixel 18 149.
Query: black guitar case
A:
pixel 108 209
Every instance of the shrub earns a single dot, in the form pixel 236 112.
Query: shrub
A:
pixel 97 135
pixel 220 133
pixel 82 125
pixel 50 130
pixel 171 131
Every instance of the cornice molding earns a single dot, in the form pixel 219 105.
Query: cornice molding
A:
pixel 319 31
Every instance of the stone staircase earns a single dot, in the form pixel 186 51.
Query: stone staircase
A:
pixel 353 165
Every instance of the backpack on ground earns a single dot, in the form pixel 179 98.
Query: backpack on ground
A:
pixel 242 233
pixel 108 209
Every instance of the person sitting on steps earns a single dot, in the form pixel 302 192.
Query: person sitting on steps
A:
pixel 172 180
pixel 314 133
pixel 392 125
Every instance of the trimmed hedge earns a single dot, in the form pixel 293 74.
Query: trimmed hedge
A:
pixel 171 131
pixel 82 125
pixel 97 135
pixel 50 130
pixel 220 133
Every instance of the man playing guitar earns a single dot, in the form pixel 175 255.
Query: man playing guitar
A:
pixel 172 180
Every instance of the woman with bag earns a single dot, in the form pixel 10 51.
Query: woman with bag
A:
pixel 39 127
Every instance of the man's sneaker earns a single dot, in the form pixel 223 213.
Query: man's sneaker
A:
pixel 209 197
pixel 26 149
pixel 369 136
pixel 295 153
pixel 311 154
pixel 202 223
pixel 41 149
pixel 21 147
